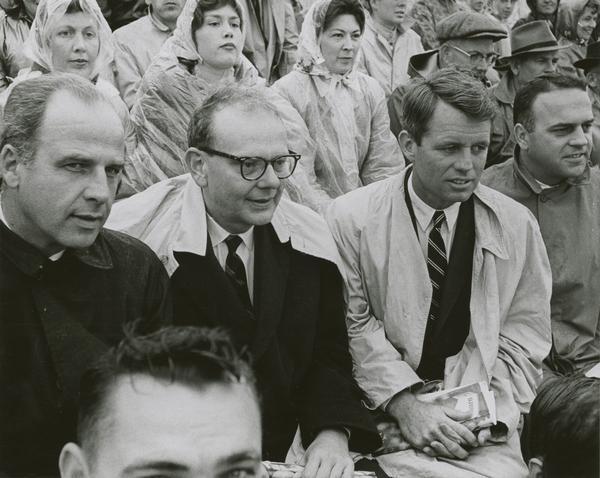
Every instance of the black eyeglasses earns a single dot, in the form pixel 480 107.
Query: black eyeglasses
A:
pixel 477 57
pixel 253 167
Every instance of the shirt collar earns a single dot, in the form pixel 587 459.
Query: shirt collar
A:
pixel 535 186
pixel 424 212
pixel 157 23
pixel 218 234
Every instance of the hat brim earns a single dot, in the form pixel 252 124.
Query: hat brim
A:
pixel 535 50
pixel 586 63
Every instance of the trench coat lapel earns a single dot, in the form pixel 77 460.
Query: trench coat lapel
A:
pixel 278 11
pixel 272 263
pixel 408 294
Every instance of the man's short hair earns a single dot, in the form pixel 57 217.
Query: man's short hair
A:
pixel 450 85
pixel 565 427
pixel 200 132
pixel 191 356
pixel 526 96
pixel 24 110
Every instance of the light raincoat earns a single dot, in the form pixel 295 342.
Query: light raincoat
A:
pixel 172 88
pixel 344 131
pixel 38 51
pixel 14 30
pixel 389 294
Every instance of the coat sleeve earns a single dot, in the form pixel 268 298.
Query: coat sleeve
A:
pixel 330 397
pixel 384 158
pixel 379 367
pixel 525 335
pixel 290 41
pixel 128 75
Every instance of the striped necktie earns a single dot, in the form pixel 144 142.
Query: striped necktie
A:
pixel 437 263
pixel 234 267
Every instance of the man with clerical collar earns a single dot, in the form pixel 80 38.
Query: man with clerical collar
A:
pixel 447 280
pixel 243 257
pixel 67 286
pixel 466 40
pixel 550 175
pixel 534 52
pixel 139 42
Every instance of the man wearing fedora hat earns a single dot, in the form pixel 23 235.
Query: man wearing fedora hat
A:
pixel 591 68
pixel 466 41
pixel 534 51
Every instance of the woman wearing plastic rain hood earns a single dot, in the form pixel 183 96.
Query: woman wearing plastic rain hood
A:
pixel 345 120
pixel 72 36
pixel 576 22
pixel 205 49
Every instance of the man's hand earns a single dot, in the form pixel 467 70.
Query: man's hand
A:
pixel 432 428
pixel 328 456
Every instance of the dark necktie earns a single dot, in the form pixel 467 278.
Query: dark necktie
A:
pixel 234 267
pixel 437 263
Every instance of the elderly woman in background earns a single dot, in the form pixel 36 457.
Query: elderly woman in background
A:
pixel 343 128
pixel 205 50
pixel 576 22
pixel 14 30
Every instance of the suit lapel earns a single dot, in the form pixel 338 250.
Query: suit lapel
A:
pixel 271 270
pixel 278 10
pixel 460 267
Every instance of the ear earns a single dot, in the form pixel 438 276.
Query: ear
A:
pixel 590 79
pixel 535 466
pixel 514 67
pixel 196 163
pixel 408 146
pixel 11 164
pixel 521 136
pixel 445 55
pixel 72 462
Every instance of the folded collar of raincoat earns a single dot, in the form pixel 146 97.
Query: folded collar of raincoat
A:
pixel 527 178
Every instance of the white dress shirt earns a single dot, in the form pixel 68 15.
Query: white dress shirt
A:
pixel 424 216
pixel 245 250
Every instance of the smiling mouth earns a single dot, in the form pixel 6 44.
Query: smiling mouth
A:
pixel 460 182
pixel 576 156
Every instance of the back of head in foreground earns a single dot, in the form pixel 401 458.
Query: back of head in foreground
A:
pixel 565 429
pixel 180 401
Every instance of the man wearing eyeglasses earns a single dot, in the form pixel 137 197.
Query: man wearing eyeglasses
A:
pixel 243 257
pixel 466 41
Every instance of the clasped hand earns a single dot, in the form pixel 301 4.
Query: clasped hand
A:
pixel 432 428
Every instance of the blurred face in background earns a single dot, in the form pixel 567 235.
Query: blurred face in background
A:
pixel 474 54
pixel 546 7
pixel 389 12
pixel 74 43
pixel 527 67
pixel 504 8
pixel 587 22
pixel 339 43
pixel 167 11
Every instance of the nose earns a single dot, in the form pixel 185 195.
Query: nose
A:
pixel 78 42
pixel 227 30
pixel 98 188
pixel 348 43
pixel 551 66
pixel 464 162
pixel 269 179
pixel 581 137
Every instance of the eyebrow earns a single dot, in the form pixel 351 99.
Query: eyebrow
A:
pixel 563 125
pixel 154 465
pixel 216 15
pixel 240 456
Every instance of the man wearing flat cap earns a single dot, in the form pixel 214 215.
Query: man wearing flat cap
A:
pixel 534 51
pixel 591 68
pixel 466 40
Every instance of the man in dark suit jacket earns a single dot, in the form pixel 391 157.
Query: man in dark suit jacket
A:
pixel 243 257
pixel 67 286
